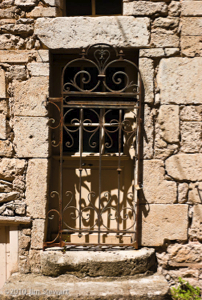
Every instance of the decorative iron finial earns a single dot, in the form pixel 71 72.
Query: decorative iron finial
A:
pixel 121 54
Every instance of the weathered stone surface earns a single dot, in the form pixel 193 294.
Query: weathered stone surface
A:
pixel 179 80
pixel 64 287
pixel 192 8
pixel 154 52
pixel 171 51
pixel 35 261
pixel 14 56
pixel 25 3
pixel 160 38
pixel 10 41
pixel 2 126
pixel 195 193
pixel 31 136
pixel 185 166
pixel 164 32
pixel 168 119
pixel 164 222
pixel 191 113
pixel 156 188
pixel 189 253
pixel 22 29
pixel 117 31
pixel 146 67
pixel 113 264
pixel 38 231
pixel 53 2
pixel 191 137
pixel 174 9
pixel 8 13
pixel 36 192
pixel 38 69
pixel 9 168
pixel 2 84
pixel 144 8
pixel 24 241
pixel 6 148
pixel 191 25
pixel 17 73
pixel 30 96
pixel 182 192
pixel 42 56
pixel 6 197
pixel 195 232
pixel 5 186
pixel 191 45
pixel 41 11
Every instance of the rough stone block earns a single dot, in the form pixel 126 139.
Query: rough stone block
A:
pixel 36 191
pixel 9 168
pixel 31 136
pixel 171 51
pixel 25 3
pixel 42 56
pixel 8 13
pixel 163 39
pixel 195 193
pixel 168 119
pixel 30 96
pixel 155 52
pixel 191 26
pixel 53 2
pixel 164 222
pixel 149 133
pixel 179 80
pixel 2 84
pixel 6 197
pixel 190 253
pixel 118 31
pixel 174 9
pixel 38 231
pixel 183 192
pixel 40 11
pixel 146 67
pixel 191 113
pixel 144 8
pixel 191 45
pixel 191 133
pixel 38 69
pixel 185 166
pixel 192 8
pixel 17 72
pixel 14 56
pixel 10 41
pixel 156 188
pixel 35 261
pixel 2 126
pixel 195 232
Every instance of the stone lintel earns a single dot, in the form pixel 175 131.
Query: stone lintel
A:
pixel 15 220
pixel 81 32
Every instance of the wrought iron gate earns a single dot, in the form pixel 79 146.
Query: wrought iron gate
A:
pixel 98 134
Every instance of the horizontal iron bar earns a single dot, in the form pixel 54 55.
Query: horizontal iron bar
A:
pixel 96 231
pixel 50 244
pixel 100 94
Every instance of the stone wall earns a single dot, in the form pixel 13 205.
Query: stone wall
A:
pixel 168 36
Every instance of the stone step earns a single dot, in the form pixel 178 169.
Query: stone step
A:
pixel 98 263
pixel 38 287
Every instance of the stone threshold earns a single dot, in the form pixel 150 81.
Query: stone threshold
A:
pixel 38 287
pixel 98 263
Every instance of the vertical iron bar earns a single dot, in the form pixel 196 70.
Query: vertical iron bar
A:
pixel 100 171
pixel 119 169
pixel 80 166
pixel 140 157
pixel 61 172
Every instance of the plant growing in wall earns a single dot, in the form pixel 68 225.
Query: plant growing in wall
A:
pixel 185 291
